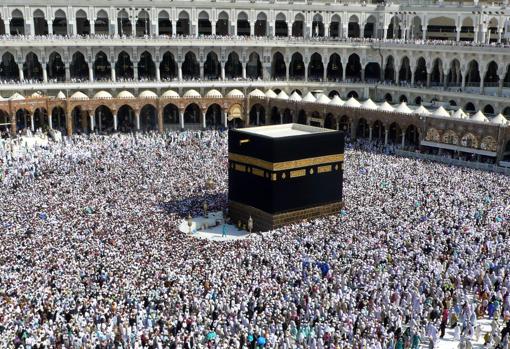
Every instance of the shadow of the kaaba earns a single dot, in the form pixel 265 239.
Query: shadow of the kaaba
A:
pixel 194 204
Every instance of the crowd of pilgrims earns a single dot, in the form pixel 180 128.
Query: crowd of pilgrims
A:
pixel 90 254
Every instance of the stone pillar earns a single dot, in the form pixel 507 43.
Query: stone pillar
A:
pixel 204 125
pixel 135 71
pixel 223 70
pixel 181 118
pixel 68 71
pixel 32 124
pixel 92 123
pixel 306 70
pixel 7 24
pixel 91 72
pixel 362 75
pixel 386 133
pixel 244 69
pixel 179 71
pixel 424 34
pixel 412 76
pixel 370 133
pixel 115 121
pixel 114 77
pixel 482 82
pixel 44 72
pixel 174 28
pixel 344 71
pixel 385 33
pixel 224 118
pixel 202 70
pixel 500 87
pixel 137 120
pixel 12 119
pixel 287 71
pixel 50 121
pixel 463 84
pixel 403 138
pixel 252 29
pixel 158 72
pixel 457 38
pixel 475 35
pixel 429 75
pixel 20 69
pixel 160 120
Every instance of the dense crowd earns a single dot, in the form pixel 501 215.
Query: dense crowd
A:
pixel 91 257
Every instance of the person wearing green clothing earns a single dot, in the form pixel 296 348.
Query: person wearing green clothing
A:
pixel 415 344
pixel 400 343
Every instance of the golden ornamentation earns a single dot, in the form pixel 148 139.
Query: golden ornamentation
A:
pixel 285 165
pixel 297 173
pixel 324 169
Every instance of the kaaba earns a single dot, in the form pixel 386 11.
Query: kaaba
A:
pixel 281 174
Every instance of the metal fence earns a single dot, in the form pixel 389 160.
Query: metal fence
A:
pixel 454 162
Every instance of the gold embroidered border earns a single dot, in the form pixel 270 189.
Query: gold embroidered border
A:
pixel 240 167
pixel 297 173
pixel 324 169
pixel 257 172
pixel 285 165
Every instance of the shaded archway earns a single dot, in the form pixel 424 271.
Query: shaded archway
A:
pixel 436 75
pixel 170 117
pixel 287 116
pixel 297 67
pixel 369 29
pixel 146 67
pixel 103 117
pixel 280 25
pixel 190 67
pixel 394 30
pixel 126 119
pixel 333 93
pixel 143 24
pixel 261 25
pixel 257 115
pixel 168 67
pixel 344 124
pixel 79 68
pixel 124 66
pixel 222 24
pixel 363 129
pixel 23 120
pixel 233 66
pixel 40 23
pixel 353 68
pixel 56 68
pixel 32 68
pixel 41 119
pixel 212 67
pixel 276 117
pixel 317 26
pixel 441 28
pixel 17 23
pixel 491 77
pixel 330 122
pixel 8 68
pixel 102 23
pixel 298 27
pixel 243 25
pixel 315 68
pixel 278 67
pixel 469 107
pixel 124 24
pixel 164 24
pixel 388 97
pixel 301 117
pixel 192 114
pixel 102 68
pixel 213 116
pixel 183 24
pixel 82 23
pixel 335 69
pixel 420 74
pixel 488 110
pixel 412 136
pixel 254 66
pixel 389 70
pixel 405 73
pixel 60 23
pixel 353 30
pixel 334 26
pixel 353 94
pixel 378 130
pixel 402 99
pixel 80 120
pixel 58 119
pixel 148 118
pixel 454 77
pixel 204 24
pixel 395 133
pixel 372 72
pixel 473 74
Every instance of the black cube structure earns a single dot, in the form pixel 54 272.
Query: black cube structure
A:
pixel 281 174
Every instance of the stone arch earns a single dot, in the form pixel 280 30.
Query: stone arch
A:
pixel 261 25
pixel 433 135
pixel 416 32
pixel 388 97
pixel 204 24
pixel 506 112
pixel 372 72
pixel 280 25
pixel 146 66
pixel 233 66
pixel 126 119
pixel 80 120
pixel 404 73
pixel 8 68
pixel 243 24
pixel 143 24
pixel 489 143
pixel 473 74
pixel 436 75
pixel 394 28
pixel 297 67
pixel 491 77
pixel 192 114
pixel 450 137
pixel 164 23
pixel 333 93
pixel 352 94
pixel 124 66
pixel 32 68
pixel 334 26
pixel 17 23
pixel 370 25
pixel 124 23
pixel 489 110
pixel 492 29
pixel 23 120
pixel 278 67
pixel 168 67
pixel 257 115
pixel 362 129
pixel 353 68
pixel 334 69
pixel 389 70
pixel 420 73
pixel 183 24
pixel 40 119
pixel 102 67
pixel 190 67
pixel 60 23
pixel 454 77
pixel 102 23
pixel 315 67
pixel 470 107
pixel 441 28
pixel 301 117
pixel 467 29
pixel 79 67
pixel 330 122
pixel 148 118
pixel 213 116
pixel 254 66
pixel 418 100
pixel 287 116
pixel 40 23
pixel 212 66
pixel 170 116
pixel 353 29
pixel 344 124
pixel 317 26
pixel 298 26
pixel 402 99
pixel 394 133
pixel 58 118
pixel 222 24
pixel 103 119
pixel 82 23
pixel 412 136
pixel 56 67
pixel 378 130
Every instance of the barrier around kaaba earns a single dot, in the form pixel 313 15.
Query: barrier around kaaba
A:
pixel 282 174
